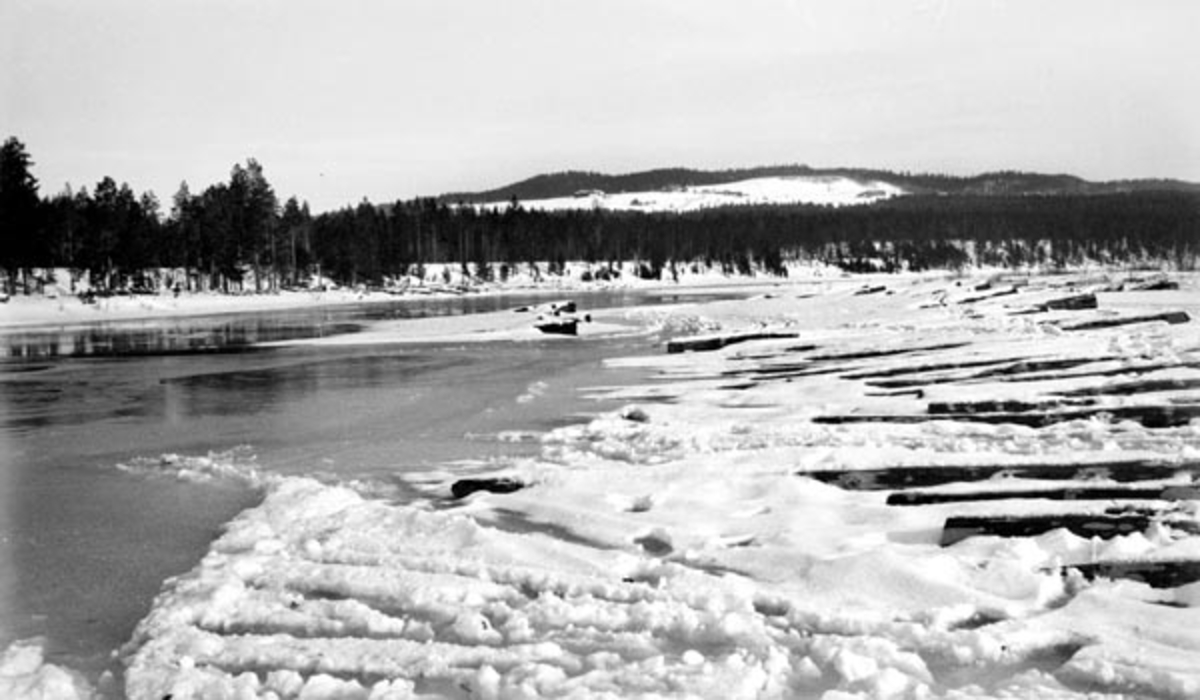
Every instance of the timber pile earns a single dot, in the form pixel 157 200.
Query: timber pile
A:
pixel 1169 317
pixel 716 342
pixel 1157 573
pixel 1099 499
pixel 1165 416
pixel 893 478
pixel 1070 492
pixel 1091 498
pixel 1105 525
pixel 1071 303
pixel 1146 495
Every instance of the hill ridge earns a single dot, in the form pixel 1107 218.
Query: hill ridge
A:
pixel 1000 182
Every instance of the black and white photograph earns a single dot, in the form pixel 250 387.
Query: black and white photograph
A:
pixel 652 349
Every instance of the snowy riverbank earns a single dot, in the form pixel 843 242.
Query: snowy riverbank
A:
pixel 730 534
pixel 59 309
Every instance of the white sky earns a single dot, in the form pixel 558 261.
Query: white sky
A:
pixel 343 99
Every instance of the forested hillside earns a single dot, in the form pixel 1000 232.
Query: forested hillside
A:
pixel 237 234
pixel 998 183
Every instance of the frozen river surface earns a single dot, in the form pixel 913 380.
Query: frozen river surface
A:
pixel 125 449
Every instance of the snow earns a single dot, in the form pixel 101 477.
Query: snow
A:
pixel 62 310
pixel 675 547
pixel 31 311
pixel 25 675
pixel 830 190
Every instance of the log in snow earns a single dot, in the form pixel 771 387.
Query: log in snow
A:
pixel 1170 317
pixel 1103 525
pixel 1070 492
pixel 1124 471
pixel 716 342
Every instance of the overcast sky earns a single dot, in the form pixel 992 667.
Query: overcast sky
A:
pixel 385 99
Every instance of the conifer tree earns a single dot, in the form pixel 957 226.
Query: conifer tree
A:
pixel 21 242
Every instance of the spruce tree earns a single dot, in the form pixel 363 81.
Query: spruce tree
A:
pixel 21 244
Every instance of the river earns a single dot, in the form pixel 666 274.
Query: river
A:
pixel 124 448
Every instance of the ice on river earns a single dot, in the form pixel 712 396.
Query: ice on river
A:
pixel 684 546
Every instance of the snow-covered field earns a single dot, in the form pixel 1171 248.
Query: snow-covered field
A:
pixel 829 190
pixel 728 534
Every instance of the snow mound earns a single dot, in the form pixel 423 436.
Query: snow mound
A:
pixel 825 190
pixel 25 675
pixel 346 597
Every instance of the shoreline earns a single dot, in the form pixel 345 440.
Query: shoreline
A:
pixel 40 312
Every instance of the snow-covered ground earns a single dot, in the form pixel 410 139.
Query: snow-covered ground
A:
pixel 25 674
pixel 36 310
pixel 443 280
pixel 692 544
pixel 832 190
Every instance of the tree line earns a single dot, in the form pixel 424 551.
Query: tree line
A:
pixel 236 235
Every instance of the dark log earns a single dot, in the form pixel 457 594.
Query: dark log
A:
pixel 1066 493
pixel 925 369
pixel 716 342
pixel 1136 370
pixel 892 352
pixel 1171 317
pixel 1172 416
pixel 501 484
pixel 1030 366
pixel 892 478
pixel 1077 302
pixel 749 357
pixel 770 370
pixel 1156 285
pixel 915 393
pixel 1006 368
pixel 1007 406
pixel 828 364
pixel 1102 525
pixel 1169 573
pixel 874 289
pixel 782 372
pixel 559 326
pixel 1129 388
